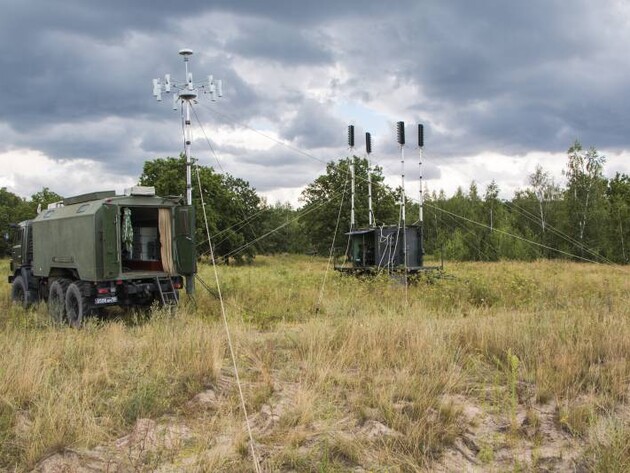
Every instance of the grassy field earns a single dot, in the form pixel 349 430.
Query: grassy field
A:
pixel 498 367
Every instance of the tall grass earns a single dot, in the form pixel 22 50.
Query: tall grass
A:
pixel 366 356
pixel 61 387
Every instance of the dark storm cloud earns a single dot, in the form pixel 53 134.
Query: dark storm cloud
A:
pixel 277 157
pixel 488 75
pixel 519 77
pixel 285 43
pixel 314 126
pixel 278 166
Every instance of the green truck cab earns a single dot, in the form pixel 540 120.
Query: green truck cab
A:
pixel 102 249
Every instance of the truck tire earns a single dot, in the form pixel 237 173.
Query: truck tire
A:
pixel 57 300
pixel 77 305
pixel 20 293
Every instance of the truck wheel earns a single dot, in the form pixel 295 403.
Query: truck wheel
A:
pixel 76 305
pixel 19 292
pixel 57 300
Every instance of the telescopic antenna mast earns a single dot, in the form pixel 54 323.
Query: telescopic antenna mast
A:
pixel 400 127
pixel 420 150
pixel 186 93
pixel 368 151
pixel 352 179
pixel 401 141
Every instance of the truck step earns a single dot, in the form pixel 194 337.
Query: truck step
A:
pixel 168 296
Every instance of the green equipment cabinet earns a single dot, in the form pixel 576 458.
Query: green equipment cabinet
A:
pixel 390 249
pixel 101 249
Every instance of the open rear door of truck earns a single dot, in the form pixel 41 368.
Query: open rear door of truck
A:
pixel 184 239
pixel 111 242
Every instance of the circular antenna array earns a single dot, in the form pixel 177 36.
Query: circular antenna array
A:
pixel 185 93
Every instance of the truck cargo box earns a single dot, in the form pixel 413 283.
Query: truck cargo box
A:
pixel 114 237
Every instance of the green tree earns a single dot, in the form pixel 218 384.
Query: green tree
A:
pixel 282 226
pixel 13 209
pixel 538 212
pixel 43 198
pixel 618 196
pixel 469 208
pixel 585 194
pixel 525 220
pixel 545 190
pixel 231 205
pixel 452 234
pixel 430 225
pixel 496 215
pixel 323 197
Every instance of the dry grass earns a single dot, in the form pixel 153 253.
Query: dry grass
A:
pixel 367 379
pixel 66 388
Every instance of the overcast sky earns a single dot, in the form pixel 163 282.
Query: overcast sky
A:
pixel 500 86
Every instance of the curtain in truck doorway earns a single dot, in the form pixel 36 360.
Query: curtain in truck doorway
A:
pixel 165 223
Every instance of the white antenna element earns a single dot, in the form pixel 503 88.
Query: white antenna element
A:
pixel 214 88
pixel 185 94
pixel 167 83
pixel 157 89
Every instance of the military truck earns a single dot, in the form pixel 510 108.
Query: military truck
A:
pixel 101 249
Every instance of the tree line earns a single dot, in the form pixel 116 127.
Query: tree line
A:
pixel 586 219
pixel 14 209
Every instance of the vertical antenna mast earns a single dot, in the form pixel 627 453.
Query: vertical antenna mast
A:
pixel 420 149
pixel 401 141
pixel 400 126
pixel 186 94
pixel 351 146
pixel 368 150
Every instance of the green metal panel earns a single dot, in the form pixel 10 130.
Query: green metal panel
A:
pixel 64 240
pixel 356 250
pixel 85 236
pixel 184 240
pixel 18 248
pixel 77 199
pixel 110 241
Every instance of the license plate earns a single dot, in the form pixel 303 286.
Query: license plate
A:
pixel 106 300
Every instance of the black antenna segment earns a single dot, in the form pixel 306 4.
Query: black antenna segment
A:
pixel 420 135
pixel 351 136
pixel 400 127
pixel 368 143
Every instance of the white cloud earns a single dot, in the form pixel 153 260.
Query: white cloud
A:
pixel 25 172
pixel 511 173
pixel 495 99
pixel 283 195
